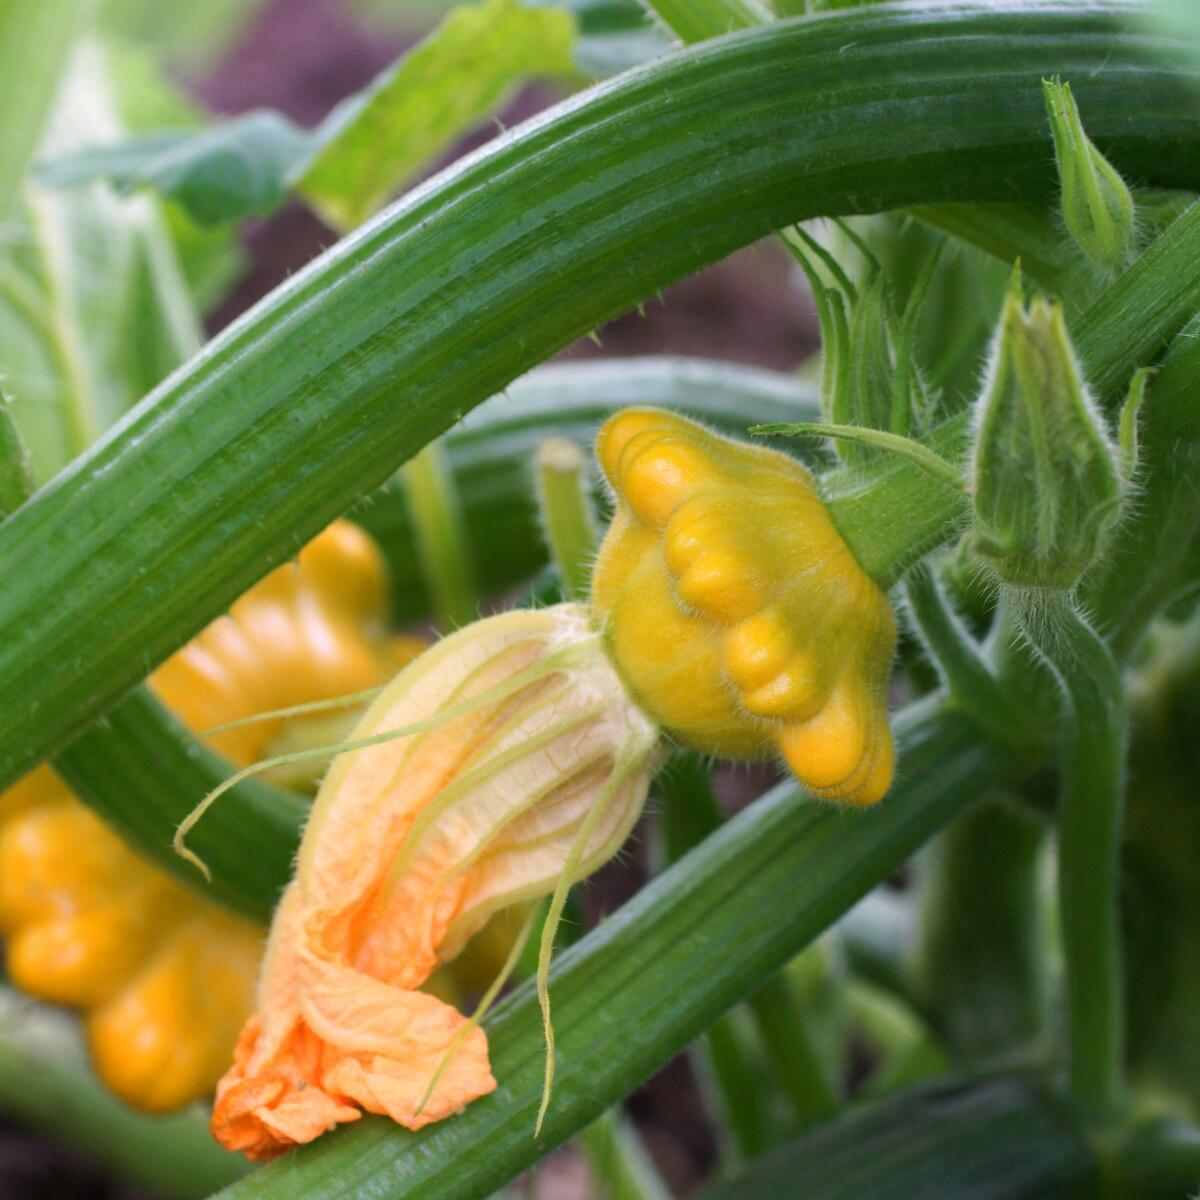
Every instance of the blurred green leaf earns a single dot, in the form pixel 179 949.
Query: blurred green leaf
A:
pixel 93 308
pixel 375 141
pixel 236 169
pixel 36 37
pixel 191 36
pixel 1004 1138
pixel 368 147
pixel 211 257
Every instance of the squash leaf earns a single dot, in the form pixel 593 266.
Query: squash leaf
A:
pixel 366 149
pixel 414 111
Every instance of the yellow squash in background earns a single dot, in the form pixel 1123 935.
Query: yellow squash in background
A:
pixel 164 977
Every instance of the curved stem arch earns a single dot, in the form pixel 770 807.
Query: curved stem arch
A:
pixel 350 367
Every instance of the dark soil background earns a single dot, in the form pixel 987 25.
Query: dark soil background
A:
pixel 303 56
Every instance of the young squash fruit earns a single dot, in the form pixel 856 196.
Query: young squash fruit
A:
pixel 734 609
pixel 164 977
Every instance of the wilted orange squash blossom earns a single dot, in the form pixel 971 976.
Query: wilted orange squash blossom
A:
pixel 516 754
pixel 526 757
pixel 165 978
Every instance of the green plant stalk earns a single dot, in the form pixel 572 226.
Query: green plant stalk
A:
pixel 794 1058
pixel 443 548
pixel 45 1084
pixel 961 1138
pixel 620 1167
pixel 917 453
pixel 139 756
pixel 36 37
pixel 645 983
pixel 732 1090
pixel 965 674
pixel 568 515
pixel 979 961
pixel 691 814
pixel 727 1070
pixel 698 20
pixel 291 414
pixel 1094 743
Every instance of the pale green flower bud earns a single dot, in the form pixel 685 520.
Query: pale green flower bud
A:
pixel 1047 483
pixel 1097 206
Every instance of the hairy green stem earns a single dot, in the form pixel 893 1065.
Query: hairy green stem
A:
pixel 965 673
pixel 443 549
pixel 979 961
pixel 568 516
pixel 1095 738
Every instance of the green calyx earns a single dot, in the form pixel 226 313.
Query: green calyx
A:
pixel 1047 480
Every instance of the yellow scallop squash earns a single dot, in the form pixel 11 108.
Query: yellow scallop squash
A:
pixel 735 611
pixel 165 978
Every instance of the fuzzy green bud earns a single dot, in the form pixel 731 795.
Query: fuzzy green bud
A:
pixel 1046 478
pixel 1097 206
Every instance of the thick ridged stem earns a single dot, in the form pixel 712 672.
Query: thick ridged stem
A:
pixel 1095 737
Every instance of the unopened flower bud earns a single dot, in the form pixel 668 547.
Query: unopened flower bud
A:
pixel 1047 482
pixel 1097 206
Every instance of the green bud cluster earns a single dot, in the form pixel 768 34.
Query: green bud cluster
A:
pixel 1047 484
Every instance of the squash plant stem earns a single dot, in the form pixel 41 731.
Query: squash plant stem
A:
pixel 1092 785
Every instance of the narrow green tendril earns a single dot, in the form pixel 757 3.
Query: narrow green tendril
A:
pixel 556 660
pixel 481 1009
pixel 346 700
pixel 558 902
pixel 933 464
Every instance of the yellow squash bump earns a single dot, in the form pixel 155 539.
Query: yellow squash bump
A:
pixel 164 978
pixel 735 611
